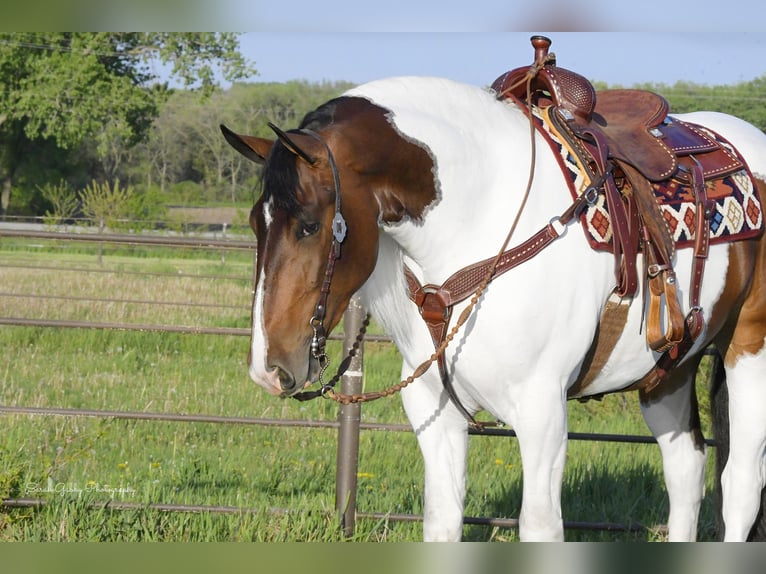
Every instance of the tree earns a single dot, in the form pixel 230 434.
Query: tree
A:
pixel 76 86
pixel 64 203
pixel 163 148
pixel 105 205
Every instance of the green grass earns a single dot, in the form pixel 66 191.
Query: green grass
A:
pixel 283 477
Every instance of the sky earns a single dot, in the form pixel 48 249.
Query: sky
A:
pixel 703 41
pixel 624 58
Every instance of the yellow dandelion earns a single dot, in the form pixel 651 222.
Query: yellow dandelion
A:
pixel 499 461
pixel 365 475
pixel 122 465
pixel 155 464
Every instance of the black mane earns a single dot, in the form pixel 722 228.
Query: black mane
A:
pixel 280 175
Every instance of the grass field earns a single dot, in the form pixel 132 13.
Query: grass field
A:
pixel 284 477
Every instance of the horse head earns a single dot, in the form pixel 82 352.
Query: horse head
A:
pixel 326 187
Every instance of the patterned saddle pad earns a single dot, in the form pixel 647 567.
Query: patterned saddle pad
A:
pixel 738 208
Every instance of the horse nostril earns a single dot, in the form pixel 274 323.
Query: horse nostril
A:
pixel 286 380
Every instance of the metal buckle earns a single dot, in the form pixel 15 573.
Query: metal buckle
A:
pixel 591 196
pixel 433 305
pixel 319 340
pixel 557 227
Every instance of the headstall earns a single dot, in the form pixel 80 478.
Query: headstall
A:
pixel 339 229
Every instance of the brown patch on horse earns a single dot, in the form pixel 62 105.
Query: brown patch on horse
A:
pixel 383 177
pixel 747 270
pixel 398 171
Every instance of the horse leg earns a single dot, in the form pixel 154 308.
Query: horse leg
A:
pixel 744 356
pixel 671 413
pixel 744 475
pixel 442 434
pixel 541 427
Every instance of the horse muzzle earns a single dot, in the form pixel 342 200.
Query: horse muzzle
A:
pixel 269 380
pixel 287 383
pixel 279 381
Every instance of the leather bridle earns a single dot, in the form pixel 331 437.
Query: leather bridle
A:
pixel 318 347
pixel 339 229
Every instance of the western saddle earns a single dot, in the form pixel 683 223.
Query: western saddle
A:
pixel 620 136
pixel 629 132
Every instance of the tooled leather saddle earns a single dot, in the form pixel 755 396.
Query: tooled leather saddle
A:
pixel 628 145
pixel 630 132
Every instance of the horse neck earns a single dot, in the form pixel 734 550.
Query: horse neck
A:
pixel 481 151
pixel 385 293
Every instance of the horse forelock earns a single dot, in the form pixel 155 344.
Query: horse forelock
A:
pixel 279 178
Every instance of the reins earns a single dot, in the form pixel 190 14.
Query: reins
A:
pixel 327 390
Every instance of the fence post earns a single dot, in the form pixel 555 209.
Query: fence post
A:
pixel 349 418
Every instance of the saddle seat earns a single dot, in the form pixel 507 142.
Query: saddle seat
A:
pixel 629 120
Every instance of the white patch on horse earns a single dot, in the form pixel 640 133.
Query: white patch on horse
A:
pixel 745 474
pixel 258 368
pixel 268 206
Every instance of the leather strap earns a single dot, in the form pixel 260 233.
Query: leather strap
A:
pixel 695 321
pixel 660 277
pixel 624 221
pixel 437 302
pixel 662 292
pixel 319 339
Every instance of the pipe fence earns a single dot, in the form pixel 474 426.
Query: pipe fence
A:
pixel 348 424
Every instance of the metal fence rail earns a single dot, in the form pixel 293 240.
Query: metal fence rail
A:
pixel 199 242
pixel 38 503
pixel 348 425
pixel 123 272
pixel 303 423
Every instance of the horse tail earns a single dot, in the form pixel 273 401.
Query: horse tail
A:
pixel 719 406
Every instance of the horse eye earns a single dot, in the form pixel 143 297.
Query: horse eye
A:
pixel 307 229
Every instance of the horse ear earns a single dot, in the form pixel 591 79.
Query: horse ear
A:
pixel 296 143
pixel 253 148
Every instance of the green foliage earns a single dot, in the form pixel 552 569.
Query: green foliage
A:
pixel 87 101
pixel 90 90
pixel 67 86
pixel 146 208
pixel 106 204
pixel 185 193
pixel 63 200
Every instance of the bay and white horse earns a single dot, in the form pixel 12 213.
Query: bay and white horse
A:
pixel 430 173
